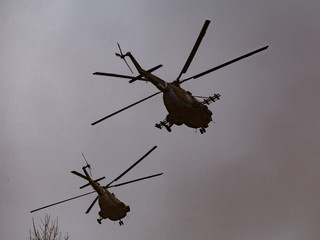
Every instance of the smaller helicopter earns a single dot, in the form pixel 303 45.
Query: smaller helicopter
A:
pixel 110 206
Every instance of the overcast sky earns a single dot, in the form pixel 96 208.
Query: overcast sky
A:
pixel 253 175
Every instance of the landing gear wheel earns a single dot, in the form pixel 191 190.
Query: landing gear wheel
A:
pixel 202 130
pixel 120 223
pixel 168 128
pixel 165 123
pixel 99 221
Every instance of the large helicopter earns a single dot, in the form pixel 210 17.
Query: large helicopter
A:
pixel 110 206
pixel 183 107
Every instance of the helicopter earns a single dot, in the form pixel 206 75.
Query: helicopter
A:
pixel 110 206
pixel 182 106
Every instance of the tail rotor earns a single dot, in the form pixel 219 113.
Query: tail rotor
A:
pixel 122 56
pixel 88 165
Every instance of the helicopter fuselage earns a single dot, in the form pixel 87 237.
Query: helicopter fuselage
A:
pixel 182 107
pixel 110 206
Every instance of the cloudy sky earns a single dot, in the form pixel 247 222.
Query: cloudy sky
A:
pixel 253 175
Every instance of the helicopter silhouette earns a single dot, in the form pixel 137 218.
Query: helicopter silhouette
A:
pixel 110 206
pixel 182 106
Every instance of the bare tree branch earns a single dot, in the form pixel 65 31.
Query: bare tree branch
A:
pixel 47 230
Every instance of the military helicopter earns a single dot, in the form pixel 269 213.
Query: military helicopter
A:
pixel 110 206
pixel 183 107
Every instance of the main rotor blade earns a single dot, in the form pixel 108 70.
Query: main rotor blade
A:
pixel 149 71
pixel 92 204
pixel 122 174
pixel 88 184
pixel 132 79
pixel 62 201
pixel 195 48
pixel 79 175
pixel 225 64
pixel 102 119
pixel 136 180
pixel 115 75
